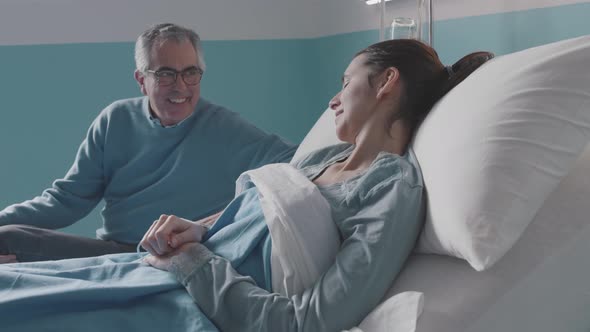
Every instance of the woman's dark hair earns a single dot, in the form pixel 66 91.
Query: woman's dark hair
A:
pixel 425 79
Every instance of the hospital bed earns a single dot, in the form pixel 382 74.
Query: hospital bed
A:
pixel 511 142
pixel 505 244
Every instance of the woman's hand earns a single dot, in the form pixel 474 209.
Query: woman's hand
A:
pixel 171 232
pixel 164 262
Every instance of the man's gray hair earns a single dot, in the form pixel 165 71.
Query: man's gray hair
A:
pixel 160 33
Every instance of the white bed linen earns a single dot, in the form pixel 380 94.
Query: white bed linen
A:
pixel 541 285
pixel 398 313
pixel 305 240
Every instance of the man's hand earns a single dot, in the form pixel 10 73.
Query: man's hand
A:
pixel 6 259
pixel 171 232
pixel 209 221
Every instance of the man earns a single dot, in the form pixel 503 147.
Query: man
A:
pixel 169 152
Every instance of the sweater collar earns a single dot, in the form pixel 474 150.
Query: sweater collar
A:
pixel 158 123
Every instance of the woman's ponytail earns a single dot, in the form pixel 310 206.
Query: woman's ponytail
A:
pixel 459 71
pixel 425 78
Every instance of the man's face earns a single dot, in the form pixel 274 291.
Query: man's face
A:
pixel 172 103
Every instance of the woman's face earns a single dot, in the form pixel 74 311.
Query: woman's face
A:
pixel 355 102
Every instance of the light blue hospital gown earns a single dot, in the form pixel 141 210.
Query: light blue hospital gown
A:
pixel 379 214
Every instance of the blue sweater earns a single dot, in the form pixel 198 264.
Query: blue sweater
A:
pixel 143 170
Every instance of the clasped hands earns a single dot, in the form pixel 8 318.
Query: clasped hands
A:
pixel 170 236
pixel 167 237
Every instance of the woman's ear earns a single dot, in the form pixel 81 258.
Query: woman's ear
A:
pixel 388 82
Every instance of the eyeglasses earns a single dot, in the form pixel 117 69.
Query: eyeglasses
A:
pixel 165 77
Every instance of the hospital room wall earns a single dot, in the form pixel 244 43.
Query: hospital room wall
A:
pixel 63 61
pixel 282 80
pixel 454 35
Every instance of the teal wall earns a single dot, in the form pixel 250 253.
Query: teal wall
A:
pixel 51 93
pixel 499 33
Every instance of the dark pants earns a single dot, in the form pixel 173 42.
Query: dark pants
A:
pixel 31 244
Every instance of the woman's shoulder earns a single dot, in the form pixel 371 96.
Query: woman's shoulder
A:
pixel 404 167
pixel 387 172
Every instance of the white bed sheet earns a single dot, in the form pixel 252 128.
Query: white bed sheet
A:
pixel 541 285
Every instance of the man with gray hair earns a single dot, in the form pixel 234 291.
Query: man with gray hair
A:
pixel 170 151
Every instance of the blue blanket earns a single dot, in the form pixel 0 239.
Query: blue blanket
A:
pixel 121 293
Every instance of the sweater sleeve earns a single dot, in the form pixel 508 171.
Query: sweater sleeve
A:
pixel 252 147
pixel 378 239
pixel 71 198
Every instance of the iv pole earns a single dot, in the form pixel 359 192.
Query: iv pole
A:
pixel 430 37
pixel 382 23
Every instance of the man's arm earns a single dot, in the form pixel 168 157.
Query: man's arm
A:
pixel 71 198
pixel 252 147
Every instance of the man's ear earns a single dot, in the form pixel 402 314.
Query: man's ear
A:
pixel 140 78
pixel 388 81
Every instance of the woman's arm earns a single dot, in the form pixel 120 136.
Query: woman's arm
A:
pixel 378 240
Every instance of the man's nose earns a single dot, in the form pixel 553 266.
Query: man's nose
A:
pixel 179 83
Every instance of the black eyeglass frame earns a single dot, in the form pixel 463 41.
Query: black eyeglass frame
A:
pixel 158 75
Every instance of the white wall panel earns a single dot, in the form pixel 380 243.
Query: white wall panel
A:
pixel 75 21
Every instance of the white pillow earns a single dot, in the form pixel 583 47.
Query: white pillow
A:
pixel 322 134
pixel 497 145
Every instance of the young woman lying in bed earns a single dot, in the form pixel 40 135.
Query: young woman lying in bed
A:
pixel 369 192
pixel 373 186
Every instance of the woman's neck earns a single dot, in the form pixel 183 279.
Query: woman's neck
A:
pixel 367 148
pixel 371 141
